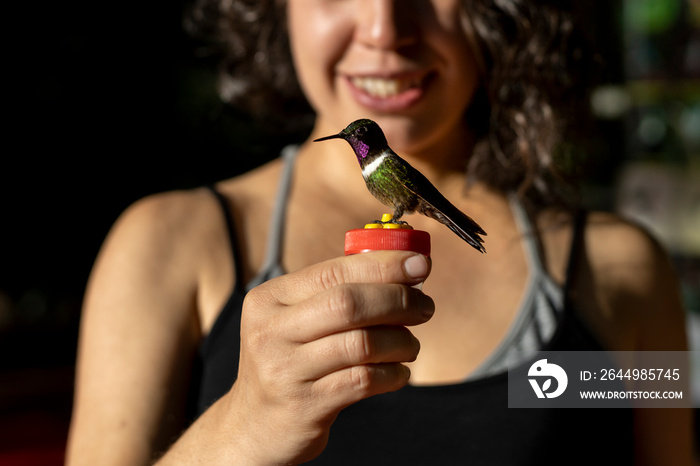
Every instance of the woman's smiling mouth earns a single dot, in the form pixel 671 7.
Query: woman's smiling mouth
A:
pixel 382 87
pixel 387 94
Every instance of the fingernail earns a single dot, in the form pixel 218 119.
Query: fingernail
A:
pixel 416 266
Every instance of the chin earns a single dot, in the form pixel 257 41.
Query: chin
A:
pixel 413 136
pixel 403 133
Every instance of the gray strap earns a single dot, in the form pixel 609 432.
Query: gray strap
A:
pixel 272 266
pixel 529 235
pixel 524 336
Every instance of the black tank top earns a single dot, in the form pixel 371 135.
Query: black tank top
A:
pixel 465 423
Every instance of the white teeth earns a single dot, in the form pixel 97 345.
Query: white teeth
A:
pixel 380 87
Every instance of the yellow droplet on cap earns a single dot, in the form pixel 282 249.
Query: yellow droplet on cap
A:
pixel 389 226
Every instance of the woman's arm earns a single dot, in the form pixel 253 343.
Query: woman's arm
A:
pixel 138 333
pixel 637 287
pixel 664 436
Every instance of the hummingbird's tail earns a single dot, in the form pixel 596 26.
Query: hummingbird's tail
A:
pixel 469 231
pixel 460 223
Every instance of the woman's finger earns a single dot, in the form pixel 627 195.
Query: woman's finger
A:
pixel 376 267
pixel 372 345
pixel 347 307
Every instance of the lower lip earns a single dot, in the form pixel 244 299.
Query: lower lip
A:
pixel 394 103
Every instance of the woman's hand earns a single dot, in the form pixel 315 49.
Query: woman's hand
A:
pixel 318 340
pixel 313 342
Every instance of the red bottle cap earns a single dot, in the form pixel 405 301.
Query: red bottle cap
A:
pixel 375 237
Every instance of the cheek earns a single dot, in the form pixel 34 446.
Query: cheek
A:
pixel 461 65
pixel 463 71
pixel 318 34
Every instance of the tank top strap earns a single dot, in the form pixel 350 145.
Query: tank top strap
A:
pixel 272 266
pixel 540 309
pixel 576 251
pixel 530 237
pixel 233 237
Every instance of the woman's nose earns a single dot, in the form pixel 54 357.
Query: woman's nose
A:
pixel 385 24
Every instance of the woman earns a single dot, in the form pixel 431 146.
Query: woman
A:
pixel 319 363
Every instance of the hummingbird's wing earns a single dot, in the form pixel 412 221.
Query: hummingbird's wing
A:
pixel 433 204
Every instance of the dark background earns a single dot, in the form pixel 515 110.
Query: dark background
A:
pixel 107 103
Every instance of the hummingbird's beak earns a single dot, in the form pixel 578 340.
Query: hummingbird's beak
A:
pixel 335 136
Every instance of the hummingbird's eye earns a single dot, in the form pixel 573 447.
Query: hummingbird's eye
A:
pixel 361 130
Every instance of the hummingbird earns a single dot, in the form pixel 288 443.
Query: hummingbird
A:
pixel 395 183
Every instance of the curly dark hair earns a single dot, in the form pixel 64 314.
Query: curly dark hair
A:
pixel 534 60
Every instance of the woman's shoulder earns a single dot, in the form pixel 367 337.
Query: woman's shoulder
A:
pixel 615 237
pixel 612 246
pixel 161 238
pixel 622 278
pixel 255 186
pixel 633 282
pixel 179 213
pixel 165 217
pixel 624 251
